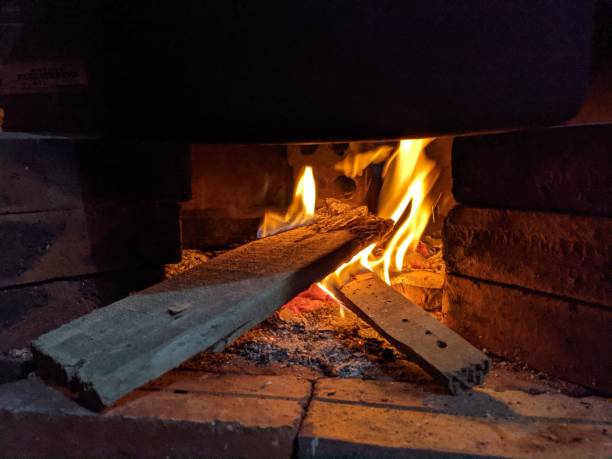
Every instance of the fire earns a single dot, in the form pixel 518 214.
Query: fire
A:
pixel 408 176
pixel 354 163
pixel 300 212
pixel 330 293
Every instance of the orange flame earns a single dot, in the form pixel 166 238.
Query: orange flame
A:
pixel 300 212
pixel 408 177
pixel 354 163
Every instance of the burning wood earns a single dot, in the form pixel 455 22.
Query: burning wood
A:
pixel 409 176
pixel 437 349
pixel 110 352
pixel 300 212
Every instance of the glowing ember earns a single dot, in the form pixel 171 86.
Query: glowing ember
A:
pixel 332 296
pixel 309 300
pixel 408 177
pixel 300 212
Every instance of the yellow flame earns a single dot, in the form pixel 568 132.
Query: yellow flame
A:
pixel 334 297
pixel 354 163
pixel 300 212
pixel 408 176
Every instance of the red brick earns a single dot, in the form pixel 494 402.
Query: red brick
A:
pixel 203 229
pixel 565 255
pixel 39 173
pixel 382 419
pixel 565 338
pixel 196 415
pixel 55 244
pixel 28 311
pixel 239 178
pixel 232 186
pixel 562 169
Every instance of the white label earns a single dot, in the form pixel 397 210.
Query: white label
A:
pixel 41 77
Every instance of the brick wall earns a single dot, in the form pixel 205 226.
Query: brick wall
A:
pixel 529 251
pixel 83 222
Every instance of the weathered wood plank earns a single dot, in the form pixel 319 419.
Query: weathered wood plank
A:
pixel 565 338
pixel 114 350
pixel 560 169
pixel 566 255
pixel 41 246
pixel 439 350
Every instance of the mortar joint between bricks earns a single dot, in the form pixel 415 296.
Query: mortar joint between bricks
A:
pixel 306 407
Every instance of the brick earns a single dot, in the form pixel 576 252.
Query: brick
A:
pixel 332 183
pixel 566 255
pixel 203 229
pixel 384 419
pixel 28 311
pixel 45 173
pixel 196 415
pixel 563 169
pixel 233 185
pixel 565 338
pixel 13 367
pixel 242 180
pixel 47 245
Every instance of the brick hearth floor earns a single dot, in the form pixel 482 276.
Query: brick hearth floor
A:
pixel 228 414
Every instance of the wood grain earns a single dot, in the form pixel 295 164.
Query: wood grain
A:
pixel 114 350
pixel 440 351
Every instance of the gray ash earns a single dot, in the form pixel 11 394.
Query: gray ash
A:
pixel 325 342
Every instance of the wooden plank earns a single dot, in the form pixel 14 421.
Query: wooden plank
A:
pixel 116 349
pixel 440 351
pixel 565 255
pixel 565 338
pixel 41 246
